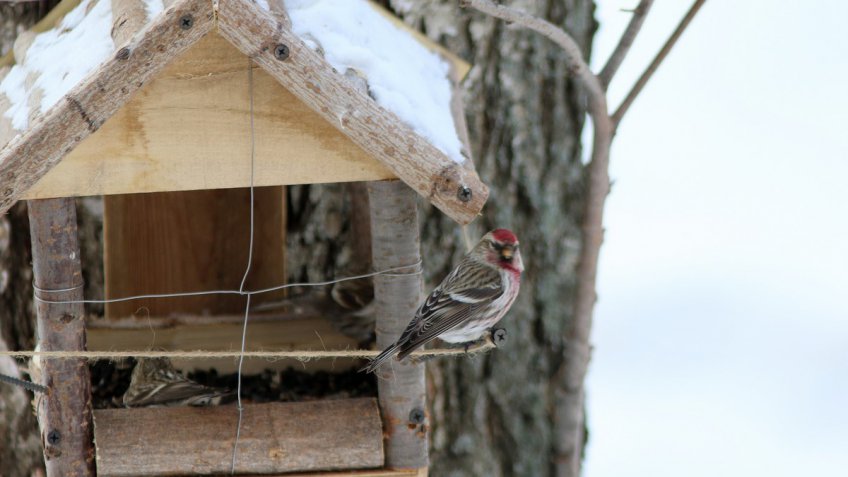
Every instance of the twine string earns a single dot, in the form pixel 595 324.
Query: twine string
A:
pixel 300 355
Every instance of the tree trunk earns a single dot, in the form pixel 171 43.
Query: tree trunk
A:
pixel 492 415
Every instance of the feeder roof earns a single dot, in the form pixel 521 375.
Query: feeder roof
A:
pixel 71 79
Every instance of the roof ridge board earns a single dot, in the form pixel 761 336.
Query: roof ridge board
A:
pixel 30 155
pixel 422 166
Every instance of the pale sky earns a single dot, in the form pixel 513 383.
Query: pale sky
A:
pixel 721 334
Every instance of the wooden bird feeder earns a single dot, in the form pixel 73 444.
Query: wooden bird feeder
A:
pixel 162 130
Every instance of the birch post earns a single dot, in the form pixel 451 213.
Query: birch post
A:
pixel 395 242
pixel 64 415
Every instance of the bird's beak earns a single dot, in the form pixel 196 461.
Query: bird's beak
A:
pixel 507 253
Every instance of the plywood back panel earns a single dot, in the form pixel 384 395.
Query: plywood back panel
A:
pixel 189 129
pixel 170 242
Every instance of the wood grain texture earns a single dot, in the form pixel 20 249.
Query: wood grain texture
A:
pixel 88 105
pixel 128 17
pixel 379 132
pixel 170 242
pixel 395 242
pixel 275 437
pixel 65 414
pixel 189 128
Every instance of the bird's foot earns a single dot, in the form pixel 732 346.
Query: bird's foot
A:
pixel 498 336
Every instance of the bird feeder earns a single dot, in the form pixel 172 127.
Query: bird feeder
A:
pixel 164 124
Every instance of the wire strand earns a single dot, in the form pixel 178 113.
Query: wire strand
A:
pixel 230 292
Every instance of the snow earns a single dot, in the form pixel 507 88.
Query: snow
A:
pixel 60 58
pixel 404 76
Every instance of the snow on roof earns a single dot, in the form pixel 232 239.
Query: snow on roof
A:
pixel 60 58
pixel 404 76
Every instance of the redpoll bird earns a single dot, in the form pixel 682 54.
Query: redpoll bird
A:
pixel 468 302
pixel 155 382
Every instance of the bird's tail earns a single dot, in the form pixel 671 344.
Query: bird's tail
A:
pixel 381 358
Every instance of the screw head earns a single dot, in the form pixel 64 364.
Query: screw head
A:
pixel 416 416
pixel 281 52
pixel 186 22
pixel 464 193
pixel 53 437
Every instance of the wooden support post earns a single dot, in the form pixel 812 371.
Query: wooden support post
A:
pixel 396 242
pixel 64 415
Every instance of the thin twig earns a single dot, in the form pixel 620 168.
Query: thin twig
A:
pixel 625 42
pixel 652 68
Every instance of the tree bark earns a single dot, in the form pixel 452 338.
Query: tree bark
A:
pixel 493 415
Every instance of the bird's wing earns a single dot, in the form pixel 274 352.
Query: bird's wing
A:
pixel 448 306
pixel 168 392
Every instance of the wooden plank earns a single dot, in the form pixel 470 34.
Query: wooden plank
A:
pixel 89 104
pixel 191 241
pixel 376 130
pixel 264 333
pixel 395 242
pixel 64 416
pixel 189 129
pixel 275 437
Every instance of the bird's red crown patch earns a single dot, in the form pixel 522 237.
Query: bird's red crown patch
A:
pixel 504 235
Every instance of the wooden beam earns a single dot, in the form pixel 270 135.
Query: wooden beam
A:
pixel 395 242
pixel 376 130
pixel 128 17
pixel 89 104
pixel 275 437
pixel 65 415
pixel 189 129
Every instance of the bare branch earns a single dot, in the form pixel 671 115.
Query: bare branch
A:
pixel 574 58
pixel 637 88
pixel 625 42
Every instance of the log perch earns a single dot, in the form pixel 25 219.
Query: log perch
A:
pixel 275 438
pixel 64 416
